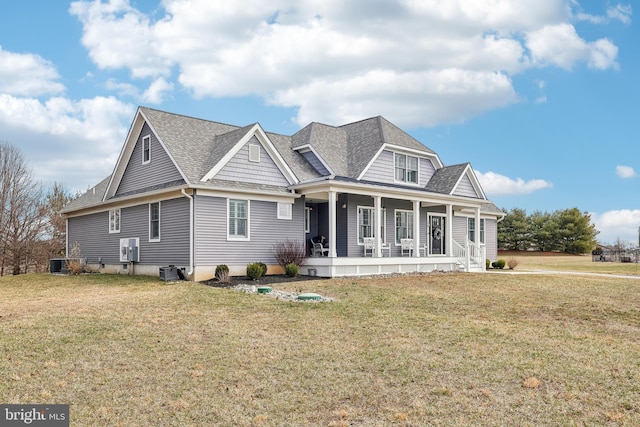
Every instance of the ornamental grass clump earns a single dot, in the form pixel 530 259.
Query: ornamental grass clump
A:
pixel 222 273
pixel 512 263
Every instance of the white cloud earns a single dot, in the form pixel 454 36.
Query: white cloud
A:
pixel 74 142
pixel 625 172
pixel 154 94
pixel 26 74
pixel 617 224
pixel 560 45
pixel 429 62
pixel 499 185
pixel 620 12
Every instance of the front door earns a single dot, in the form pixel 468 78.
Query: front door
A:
pixel 436 235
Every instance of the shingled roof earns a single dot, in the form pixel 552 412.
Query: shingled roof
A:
pixel 198 145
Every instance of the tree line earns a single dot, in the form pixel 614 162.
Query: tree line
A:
pixel 568 230
pixel 32 230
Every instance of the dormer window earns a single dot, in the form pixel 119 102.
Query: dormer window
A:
pixel 406 168
pixel 146 149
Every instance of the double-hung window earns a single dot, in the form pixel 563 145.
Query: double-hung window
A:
pixel 238 219
pixel 482 230
pixel 471 229
pixel 154 222
pixel 307 219
pixel 146 149
pixel 404 225
pixel 366 223
pixel 406 168
pixel 114 221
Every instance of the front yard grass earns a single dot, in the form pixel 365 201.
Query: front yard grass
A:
pixel 441 349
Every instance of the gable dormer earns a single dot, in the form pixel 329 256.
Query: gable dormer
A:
pixel 456 180
pixel 248 155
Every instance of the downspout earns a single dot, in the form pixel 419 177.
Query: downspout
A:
pixel 184 193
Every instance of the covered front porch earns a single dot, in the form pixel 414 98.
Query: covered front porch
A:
pixel 383 231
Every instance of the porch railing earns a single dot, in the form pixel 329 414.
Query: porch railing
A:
pixel 469 254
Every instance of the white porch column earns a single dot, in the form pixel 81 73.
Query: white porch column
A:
pixel 476 236
pixel 332 224
pixel 416 228
pixel 448 231
pixel 377 207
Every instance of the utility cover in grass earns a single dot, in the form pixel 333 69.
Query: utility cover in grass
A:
pixel 264 289
pixel 310 296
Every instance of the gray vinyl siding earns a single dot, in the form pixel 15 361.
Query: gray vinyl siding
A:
pixel 460 229
pixel 491 238
pixel 426 171
pixel 212 246
pixel 160 170
pixel 315 162
pixel 173 247
pixel 382 169
pixel 465 188
pixel 92 234
pixel 240 169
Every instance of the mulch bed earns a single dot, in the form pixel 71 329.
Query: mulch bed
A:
pixel 272 279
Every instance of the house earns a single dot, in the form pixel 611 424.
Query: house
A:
pixel 194 194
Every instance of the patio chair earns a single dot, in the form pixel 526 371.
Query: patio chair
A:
pixel 369 246
pixel 386 247
pixel 406 247
pixel 318 250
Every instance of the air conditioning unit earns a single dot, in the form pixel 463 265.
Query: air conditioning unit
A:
pixel 129 250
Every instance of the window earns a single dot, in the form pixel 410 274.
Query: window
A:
pixel 238 216
pixel 481 230
pixel 284 210
pixel 404 225
pixel 406 168
pixel 146 149
pixel 254 153
pixel 154 222
pixel 472 229
pixel 307 220
pixel 365 223
pixel 114 221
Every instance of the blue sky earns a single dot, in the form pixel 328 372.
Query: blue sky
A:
pixel 541 97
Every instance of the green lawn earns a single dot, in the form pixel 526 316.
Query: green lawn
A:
pixel 442 349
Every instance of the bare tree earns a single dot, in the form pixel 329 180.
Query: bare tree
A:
pixel 22 214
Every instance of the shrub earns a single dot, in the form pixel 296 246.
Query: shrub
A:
pixel 291 269
pixel 222 273
pixel 254 271
pixel 499 264
pixel 512 263
pixel 264 268
pixel 488 263
pixel 289 252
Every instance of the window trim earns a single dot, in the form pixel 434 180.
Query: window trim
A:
pixel 147 150
pixel 482 230
pixel 284 215
pixel 409 226
pixel 152 238
pixel 248 228
pixel 307 219
pixel 372 224
pixel 254 153
pixel 405 169
pixel 112 228
pixel 470 221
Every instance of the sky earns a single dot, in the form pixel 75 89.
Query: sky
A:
pixel 541 96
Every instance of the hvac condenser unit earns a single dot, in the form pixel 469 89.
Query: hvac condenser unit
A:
pixel 129 250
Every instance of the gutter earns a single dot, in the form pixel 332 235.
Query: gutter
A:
pixel 184 193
